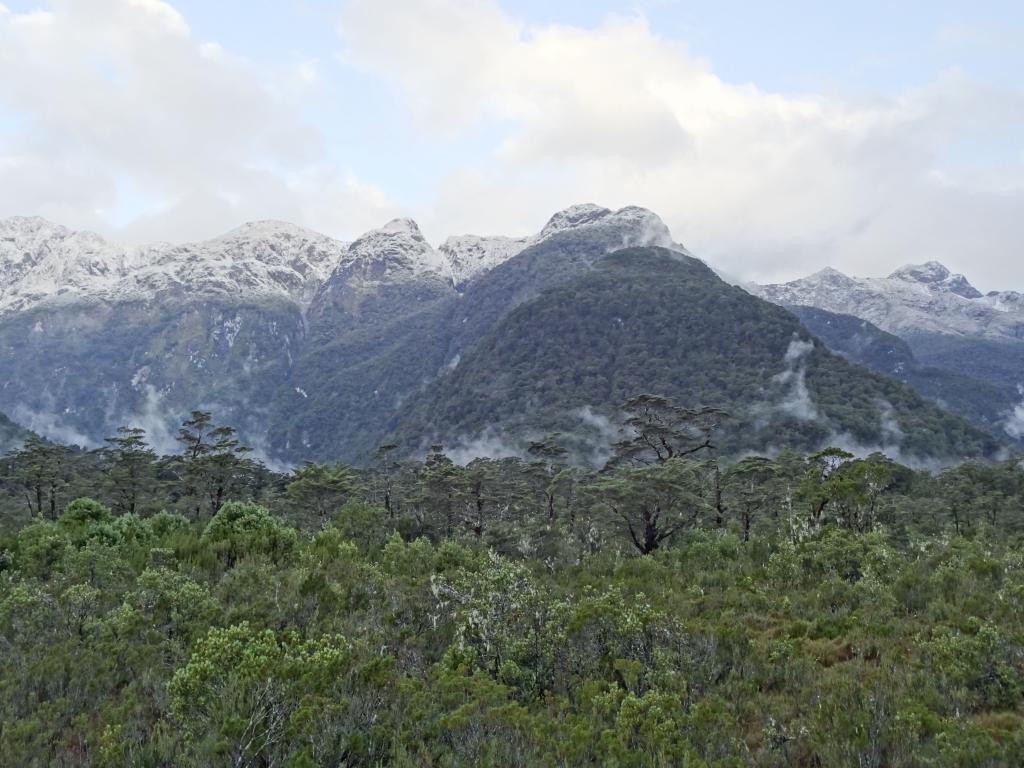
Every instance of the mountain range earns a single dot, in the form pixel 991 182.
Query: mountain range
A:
pixel 927 326
pixel 318 348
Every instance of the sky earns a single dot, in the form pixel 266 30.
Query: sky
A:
pixel 773 138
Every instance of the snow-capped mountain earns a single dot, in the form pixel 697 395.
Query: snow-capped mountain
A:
pixel 916 299
pixel 267 259
pixel 41 262
pixel 396 252
pixel 469 256
pixel 968 347
pixel 305 342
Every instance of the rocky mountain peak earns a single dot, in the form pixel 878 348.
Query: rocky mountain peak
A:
pixel 574 216
pixel 830 275
pixel 915 299
pixel 39 259
pixel 936 276
pixel 399 247
pixel 403 226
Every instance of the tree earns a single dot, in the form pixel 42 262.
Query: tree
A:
pixel 488 491
pixel 241 528
pixel 248 688
pixel 565 488
pixel 214 459
pixel 130 468
pixel 39 467
pixel 548 457
pixel 658 430
pixel 388 467
pixel 822 483
pixel 653 503
pixel 438 488
pixel 746 488
pixel 323 488
pixel 864 481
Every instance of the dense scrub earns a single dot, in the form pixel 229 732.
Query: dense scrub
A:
pixel 240 641
pixel 669 610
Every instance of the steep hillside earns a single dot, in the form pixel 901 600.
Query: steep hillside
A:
pixel 973 397
pixel 373 345
pixel 11 435
pixel 307 343
pixel 946 322
pixel 650 320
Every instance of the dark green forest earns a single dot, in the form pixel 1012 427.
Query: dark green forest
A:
pixel 673 607
pixel 651 320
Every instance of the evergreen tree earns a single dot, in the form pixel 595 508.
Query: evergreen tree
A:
pixel 130 468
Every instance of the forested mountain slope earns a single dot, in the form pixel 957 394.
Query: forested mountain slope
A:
pixel 307 343
pixel 11 435
pixel 651 320
pixel 946 322
pixel 972 396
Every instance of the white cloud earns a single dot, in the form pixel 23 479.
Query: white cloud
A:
pixel 117 112
pixel 797 402
pixel 1015 420
pixel 116 92
pixel 764 184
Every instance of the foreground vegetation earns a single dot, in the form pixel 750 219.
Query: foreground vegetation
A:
pixel 672 609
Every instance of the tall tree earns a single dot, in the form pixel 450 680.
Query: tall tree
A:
pixel 747 489
pixel 130 468
pixel 547 459
pixel 822 483
pixel 215 463
pixel 657 430
pixel 387 467
pixel 39 467
pixel 439 480
pixel 653 503
pixel 323 488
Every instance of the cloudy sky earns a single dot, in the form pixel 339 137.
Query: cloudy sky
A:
pixel 773 138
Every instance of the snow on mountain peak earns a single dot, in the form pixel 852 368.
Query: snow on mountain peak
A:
pixel 260 258
pixel 929 272
pixel 572 217
pixel 638 225
pixel 471 255
pixel 829 273
pixel 400 244
pixel 266 229
pixel 922 298
pixel 41 261
pixel 403 225
pixel 937 276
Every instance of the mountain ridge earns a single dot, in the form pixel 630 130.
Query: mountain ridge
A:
pixel 924 298
pixel 310 345
pixel 653 320
pixel 41 261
